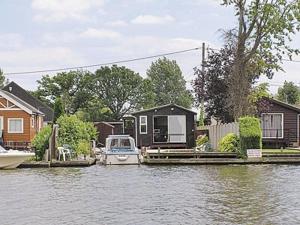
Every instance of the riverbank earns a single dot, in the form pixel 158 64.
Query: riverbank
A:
pixel 72 163
pixel 223 161
pixel 221 158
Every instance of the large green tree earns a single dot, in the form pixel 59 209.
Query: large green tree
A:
pixel 120 89
pixel 264 29
pixel 168 84
pixel 289 93
pixel 71 87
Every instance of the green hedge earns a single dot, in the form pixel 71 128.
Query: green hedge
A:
pixel 229 143
pixel 250 134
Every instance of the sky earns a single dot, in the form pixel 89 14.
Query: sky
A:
pixel 50 34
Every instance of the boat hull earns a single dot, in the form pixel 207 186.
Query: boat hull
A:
pixel 121 159
pixel 13 160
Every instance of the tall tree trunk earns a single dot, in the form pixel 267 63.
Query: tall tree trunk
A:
pixel 239 90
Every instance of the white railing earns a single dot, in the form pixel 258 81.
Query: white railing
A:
pixel 217 132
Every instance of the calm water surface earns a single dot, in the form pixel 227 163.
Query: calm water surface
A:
pixel 256 194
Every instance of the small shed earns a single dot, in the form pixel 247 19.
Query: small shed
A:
pixel 108 128
pixel 280 123
pixel 168 126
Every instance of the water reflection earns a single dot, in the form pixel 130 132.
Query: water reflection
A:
pixel 262 194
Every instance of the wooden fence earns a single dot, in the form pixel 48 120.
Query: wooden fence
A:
pixel 217 132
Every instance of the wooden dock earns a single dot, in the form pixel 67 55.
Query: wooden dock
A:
pixel 72 163
pixel 214 158
pixel 223 161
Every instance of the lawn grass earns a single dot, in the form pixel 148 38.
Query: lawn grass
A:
pixel 281 151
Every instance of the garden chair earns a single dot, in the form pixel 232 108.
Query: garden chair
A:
pixel 70 150
pixel 64 152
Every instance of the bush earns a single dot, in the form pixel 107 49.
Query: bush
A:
pixel 229 143
pixel 201 139
pixel 250 134
pixel 83 147
pixel 41 141
pixel 73 131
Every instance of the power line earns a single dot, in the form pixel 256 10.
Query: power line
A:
pixel 120 61
pixel 103 64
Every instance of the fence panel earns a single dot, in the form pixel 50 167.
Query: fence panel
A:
pixel 217 132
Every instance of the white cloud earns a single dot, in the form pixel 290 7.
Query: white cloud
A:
pixel 10 41
pixel 116 23
pixel 150 19
pixel 100 33
pixel 39 57
pixel 59 10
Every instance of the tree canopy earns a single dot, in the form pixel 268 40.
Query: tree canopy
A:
pixel 212 84
pixel 168 84
pixel 289 93
pixel 264 30
pixel 71 87
pixel 120 89
pixel 3 80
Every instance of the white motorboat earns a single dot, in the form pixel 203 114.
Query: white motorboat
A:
pixel 120 150
pixel 10 159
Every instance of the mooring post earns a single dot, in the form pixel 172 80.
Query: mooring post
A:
pixel 158 150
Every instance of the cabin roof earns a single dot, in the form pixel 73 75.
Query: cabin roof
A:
pixel 20 103
pixel 164 106
pixel 19 92
pixel 284 104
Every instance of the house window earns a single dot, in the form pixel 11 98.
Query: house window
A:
pixel 1 123
pixel 15 125
pixel 143 124
pixel 272 125
pixel 32 121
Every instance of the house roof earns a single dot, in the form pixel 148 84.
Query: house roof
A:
pixel 164 106
pixel 284 104
pixel 22 94
pixel 20 103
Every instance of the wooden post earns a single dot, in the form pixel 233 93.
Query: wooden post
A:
pixel 158 151
pixel 52 142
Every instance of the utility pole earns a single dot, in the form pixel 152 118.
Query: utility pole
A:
pixel 201 116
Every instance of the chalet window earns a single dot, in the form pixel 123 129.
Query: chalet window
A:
pixel 143 124
pixel 32 122
pixel 1 123
pixel 272 125
pixel 15 125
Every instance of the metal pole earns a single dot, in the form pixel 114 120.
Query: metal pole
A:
pixel 203 80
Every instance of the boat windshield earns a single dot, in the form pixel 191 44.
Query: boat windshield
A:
pixel 120 144
pixel 2 150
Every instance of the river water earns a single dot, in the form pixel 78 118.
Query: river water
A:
pixel 252 194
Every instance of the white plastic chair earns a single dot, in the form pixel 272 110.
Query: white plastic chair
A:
pixel 63 152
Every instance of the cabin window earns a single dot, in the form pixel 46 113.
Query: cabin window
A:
pixel 272 125
pixel 15 125
pixel 143 124
pixel 32 122
pixel 1 123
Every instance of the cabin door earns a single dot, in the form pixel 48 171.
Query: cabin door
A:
pixel 177 129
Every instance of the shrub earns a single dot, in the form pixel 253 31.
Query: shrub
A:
pixel 250 134
pixel 201 139
pixel 229 143
pixel 72 131
pixel 41 141
pixel 83 147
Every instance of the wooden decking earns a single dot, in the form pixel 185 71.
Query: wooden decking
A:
pixel 188 156
pixel 72 163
